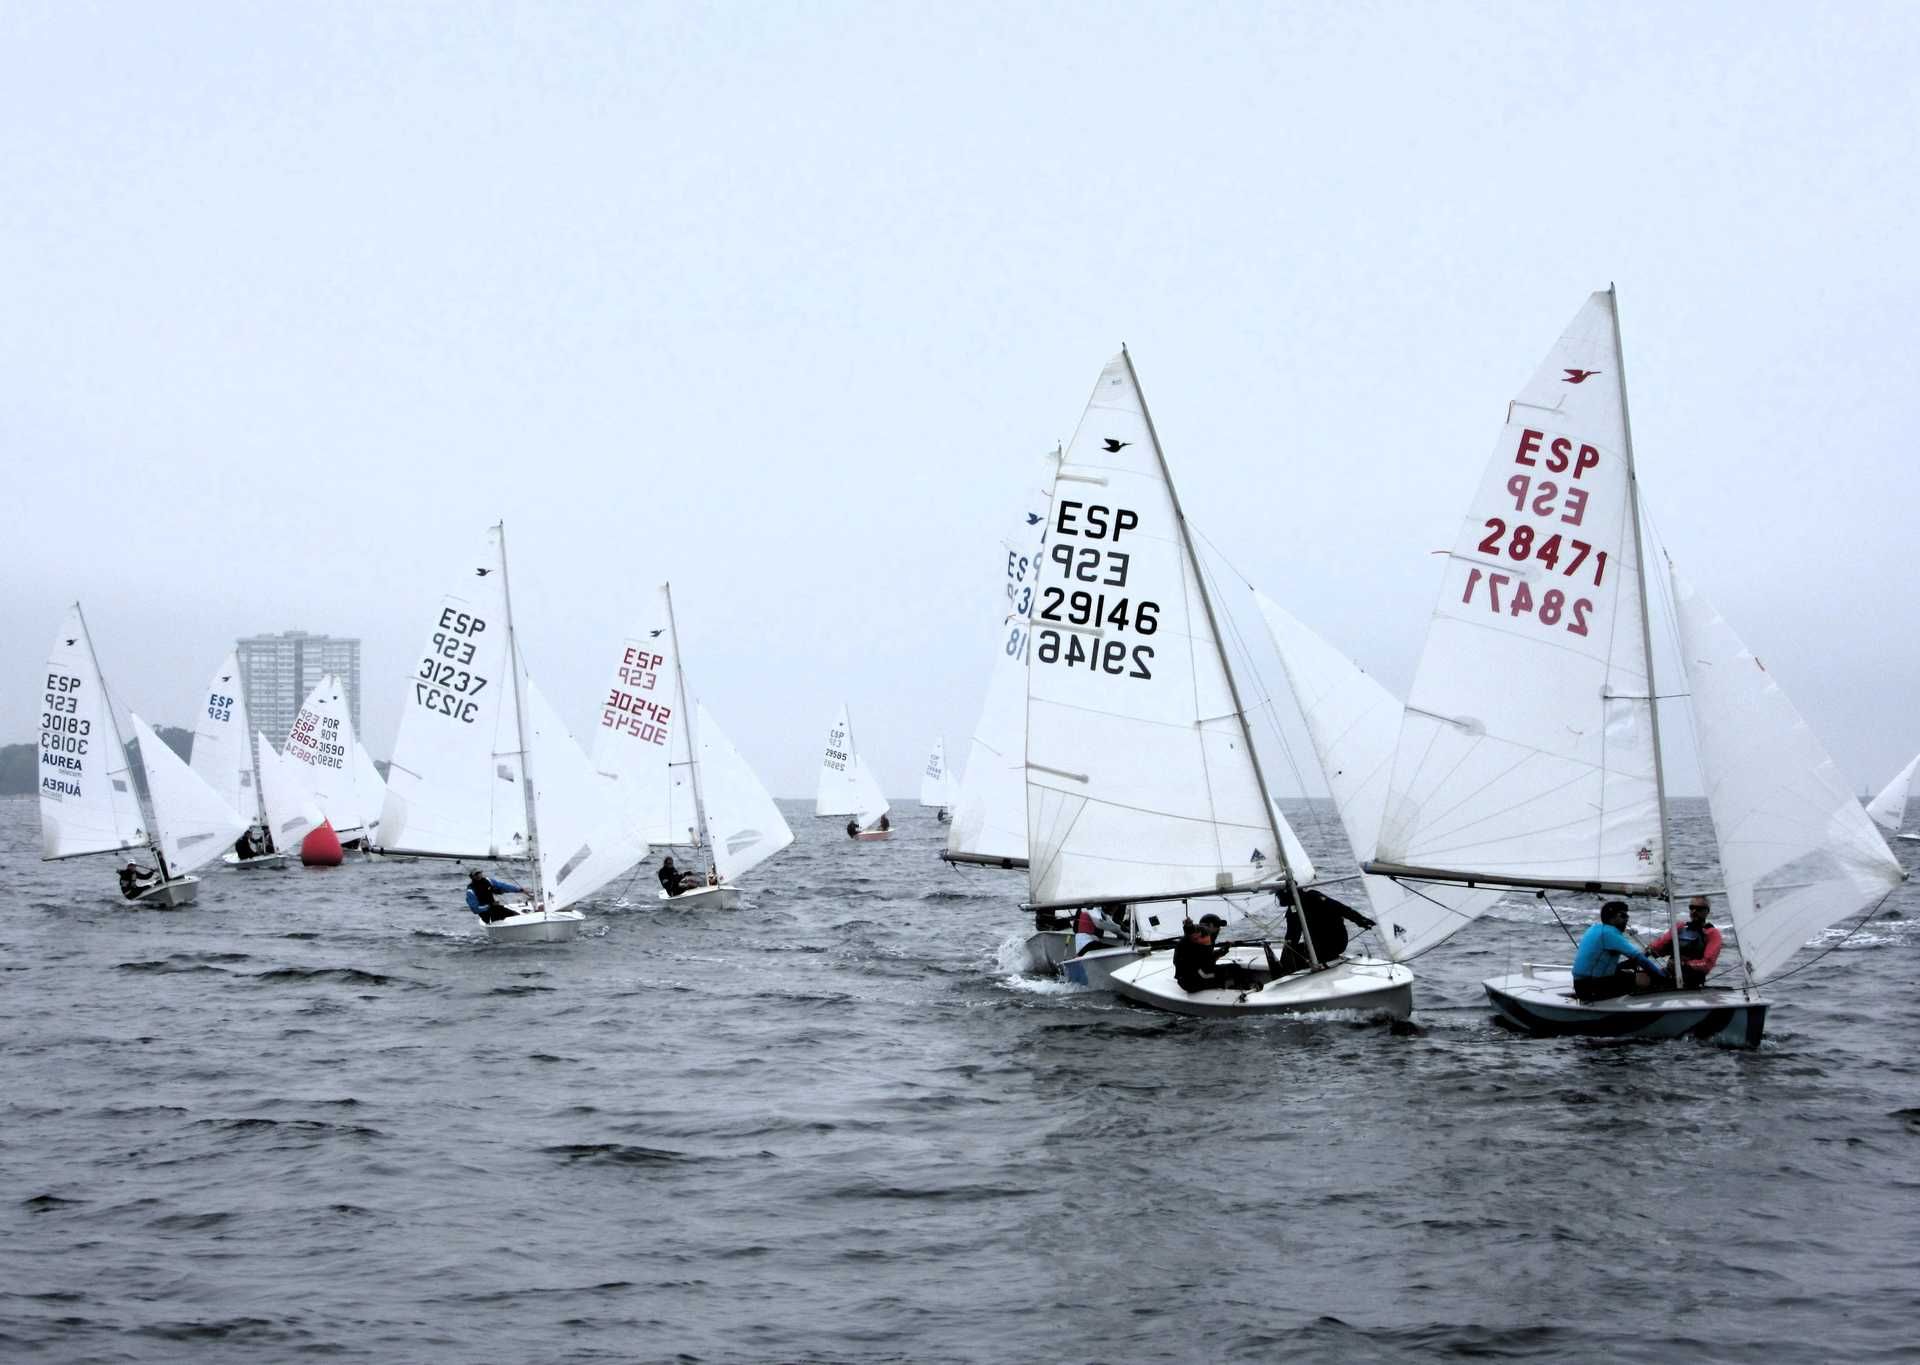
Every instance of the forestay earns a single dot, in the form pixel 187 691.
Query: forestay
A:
pixel 87 801
pixel 586 839
pixel 642 739
pixel 936 785
pixel 192 824
pixel 290 812
pixel 1889 809
pixel 1527 751
pixel 1797 852
pixel 453 787
pixel 990 807
pixel 222 753
pixel 1139 779
pixel 1354 724
pixel 847 786
pixel 745 826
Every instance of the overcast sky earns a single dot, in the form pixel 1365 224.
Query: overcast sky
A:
pixel 781 302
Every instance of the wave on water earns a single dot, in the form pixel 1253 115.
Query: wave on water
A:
pixel 616 1154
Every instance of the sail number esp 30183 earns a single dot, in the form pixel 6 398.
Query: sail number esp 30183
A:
pixel 1086 618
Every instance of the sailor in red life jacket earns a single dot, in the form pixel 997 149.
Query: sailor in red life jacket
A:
pixel 1099 926
pixel 1699 945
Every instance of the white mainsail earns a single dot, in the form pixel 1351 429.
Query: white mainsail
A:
pixel 222 752
pixel 936 783
pixel 193 824
pixel 453 786
pixel 642 735
pixel 290 812
pixel 745 827
pixel 1889 808
pixel 1354 724
pixel 369 789
pixel 847 785
pixel 1526 754
pixel 990 807
pixel 320 748
pixel 87 800
pixel 1796 850
pixel 586 838
pixel 1140 780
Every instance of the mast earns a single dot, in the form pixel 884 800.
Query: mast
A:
pixel 520 718
pixel 1233 688
pixel 1646 639
pixel 686 717
pixel 120 746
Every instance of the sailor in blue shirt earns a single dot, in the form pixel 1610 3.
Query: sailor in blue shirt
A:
pixel 482 898
pixel 1598 973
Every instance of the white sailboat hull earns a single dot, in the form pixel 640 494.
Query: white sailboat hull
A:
pixel 868 836
pixel 171 895
pixel 1094 968
pixel 1046 950
pixel 263 860
pixel 705 898
pixel 1540 1001
pixel 1365 985
pixel 537 926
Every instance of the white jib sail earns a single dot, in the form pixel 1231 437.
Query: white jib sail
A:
pixel 193 824
pixel 223 741
pixel 87 800
pixel 1139 781
pixel 1889 808
pixel 847 786
pixel 641 739
pixel 1527 746
pixel 745 826
pixel 990 807
pixel 290 812
pixel 936 784
pixel 453 787
pixel 369 789
pixel 586 837
pixel 320 748
pixel 1796 850
pixel 1354 724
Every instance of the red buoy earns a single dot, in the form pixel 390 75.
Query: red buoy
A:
pixel 321 848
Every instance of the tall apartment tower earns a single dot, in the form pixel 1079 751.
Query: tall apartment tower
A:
pixel 279 670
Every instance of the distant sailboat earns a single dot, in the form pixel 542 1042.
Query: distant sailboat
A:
pixel 484 769
pixel 87 798
pixel 1530 754
pixel 1889 809
pixel 222 755
pixel 1144 788
pixel 848 786
pixel 989 826
pixel 290 812
pixel 710 798
pixel 936 783
pixel 340 779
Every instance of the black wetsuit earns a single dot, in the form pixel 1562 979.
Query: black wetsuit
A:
pixel 1197 967
pixel 1327 921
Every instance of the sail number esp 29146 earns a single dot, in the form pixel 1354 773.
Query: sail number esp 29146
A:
pixel 1086 618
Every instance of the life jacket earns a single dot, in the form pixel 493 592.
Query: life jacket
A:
pixel 1083 923
pixel 1692 942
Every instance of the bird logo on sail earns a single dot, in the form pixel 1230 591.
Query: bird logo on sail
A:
pixel 1578 376
pixel 1115 447
pixel 1033 519
pixel 71 641
pixel 654 634
pixel 482 572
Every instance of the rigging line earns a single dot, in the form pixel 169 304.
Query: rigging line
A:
pixel 1863 922
pixel 1557 920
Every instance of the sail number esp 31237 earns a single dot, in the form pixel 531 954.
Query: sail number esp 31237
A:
pixel 446 684
pixel 1086 618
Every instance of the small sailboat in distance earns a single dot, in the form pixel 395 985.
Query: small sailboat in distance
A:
pixel 87 799
pixel 936 783
pixel 484 769
pixel 1530 755
pixel 1889 809
pixel 848 786
pixel 222 755
pixel 685 782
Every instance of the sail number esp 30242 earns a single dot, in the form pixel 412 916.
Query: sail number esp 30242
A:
pixel 1086 618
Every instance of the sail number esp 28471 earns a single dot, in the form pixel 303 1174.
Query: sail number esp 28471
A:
pixel 1086 619
pixel 1552 493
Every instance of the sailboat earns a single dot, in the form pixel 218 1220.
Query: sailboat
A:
pixel 290 812
pixel 484 769
pixel 87 798
pixel 848 786
pixel 936 783
pixel 340 777
pixel 685 782
pixel 1889 809
pixel 222 755
pixel 989 826
pixel 1530 755
pixel 1144 787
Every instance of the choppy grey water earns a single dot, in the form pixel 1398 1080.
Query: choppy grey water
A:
pixel 319 1115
